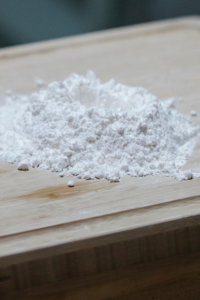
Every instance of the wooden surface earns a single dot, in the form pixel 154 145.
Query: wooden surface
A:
pixel 44 223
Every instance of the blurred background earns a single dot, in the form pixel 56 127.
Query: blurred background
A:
pixel 26 21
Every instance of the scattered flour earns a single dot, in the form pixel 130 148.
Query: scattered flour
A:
pixel 84 128
pixel 193 113
pixel 39 82
pixel 70 183
pixel 23 166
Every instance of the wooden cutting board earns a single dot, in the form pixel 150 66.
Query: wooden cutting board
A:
pixel 98 230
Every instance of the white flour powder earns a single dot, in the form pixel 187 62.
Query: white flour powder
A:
pixel 84 128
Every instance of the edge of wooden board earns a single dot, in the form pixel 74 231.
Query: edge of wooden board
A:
pixel 65 238
pixel 100 37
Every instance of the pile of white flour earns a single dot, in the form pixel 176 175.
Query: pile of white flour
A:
pixel 82 127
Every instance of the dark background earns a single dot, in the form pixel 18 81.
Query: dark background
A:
pixel 25 21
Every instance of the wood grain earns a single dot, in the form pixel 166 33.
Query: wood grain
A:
pixel 52 237
pixel 41 281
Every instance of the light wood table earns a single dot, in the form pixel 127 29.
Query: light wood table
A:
pixel 137 239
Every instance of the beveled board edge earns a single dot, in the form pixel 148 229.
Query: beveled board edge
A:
pixel 126 32
pixel 116 227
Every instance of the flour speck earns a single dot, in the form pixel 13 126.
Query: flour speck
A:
pixel 70 183
pixel 193 113
pixel 23 166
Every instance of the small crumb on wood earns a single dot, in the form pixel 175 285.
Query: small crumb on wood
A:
pixel 180 100
pixel 9 92
pixel 87 176
pixel 22 166
pixel 70 183
pixel 39 82
pixel 188 175
pixel 193 113
pixel 79 176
